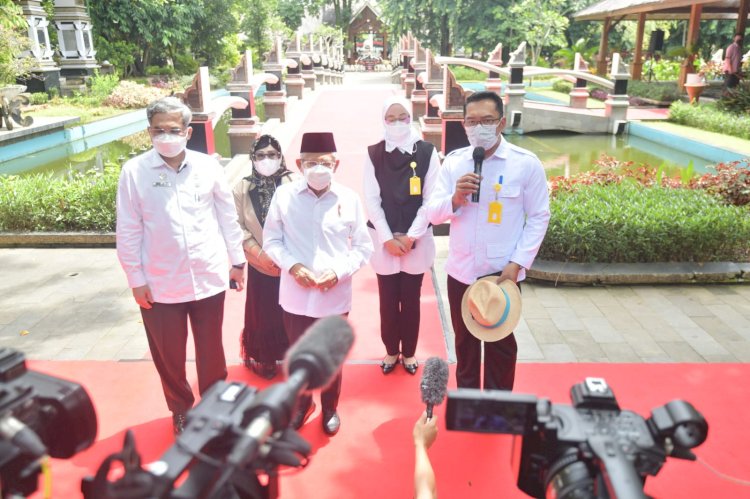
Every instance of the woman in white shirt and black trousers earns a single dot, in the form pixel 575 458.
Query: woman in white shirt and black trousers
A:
pixel 399 174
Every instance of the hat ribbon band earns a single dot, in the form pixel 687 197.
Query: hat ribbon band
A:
pixel 505 312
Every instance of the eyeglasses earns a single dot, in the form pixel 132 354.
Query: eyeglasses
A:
pixel 401 119
pixel 260 156
pixel 172 131
pixel 310 164
pixel 484 121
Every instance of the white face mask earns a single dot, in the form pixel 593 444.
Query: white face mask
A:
pixel 397 133
pixel 482 136
pixel 267 167
pixel 168 145
pixel 318 177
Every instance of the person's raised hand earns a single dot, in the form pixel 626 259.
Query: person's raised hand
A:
pixel 425 430
pixel 465 186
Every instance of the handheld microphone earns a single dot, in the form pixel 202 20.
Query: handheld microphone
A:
pixel 434 383
pixel 478 156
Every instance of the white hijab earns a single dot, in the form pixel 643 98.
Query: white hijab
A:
pixel 414 136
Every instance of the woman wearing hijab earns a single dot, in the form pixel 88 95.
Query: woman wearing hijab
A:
pixel 264 340
pixel 399 174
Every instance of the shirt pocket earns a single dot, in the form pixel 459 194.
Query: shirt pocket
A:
pixel 510 193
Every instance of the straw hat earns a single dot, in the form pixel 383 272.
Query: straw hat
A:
pixel 491 309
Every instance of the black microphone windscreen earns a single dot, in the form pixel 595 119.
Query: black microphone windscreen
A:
pixel 434 383
pixel 478 154
pixel 321 350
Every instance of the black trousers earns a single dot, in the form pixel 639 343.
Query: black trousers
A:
pixel 399 312
pixel 295 326
pixel 731 80
pixel 263 337
pixel 499 356
pixel 167 330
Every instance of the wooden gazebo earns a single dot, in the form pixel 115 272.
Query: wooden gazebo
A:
pixel 366 21
pixel 614 11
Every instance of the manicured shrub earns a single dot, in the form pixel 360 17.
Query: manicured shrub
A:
pixel 627 222
pixel 43 202
pixel 662 91
pixel 562 86
pixel 731 182
pixel 707 117
pixel 463 73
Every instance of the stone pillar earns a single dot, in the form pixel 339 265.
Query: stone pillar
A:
pixel 46 74
pixel 494 83
pixel 579 96
pixel 244 126
pixel 75 39
pixel 295 83
pixel 454 135
pixel 419 94
pixel 616 105
pixel 410 79
pixel 198 98
pixel 274 98
pixel 430 123
pixel 516 91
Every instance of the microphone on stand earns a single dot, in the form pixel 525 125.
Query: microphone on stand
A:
pixel 478 156
pixel 434 384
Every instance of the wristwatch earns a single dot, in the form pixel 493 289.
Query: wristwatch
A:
pixel 240 266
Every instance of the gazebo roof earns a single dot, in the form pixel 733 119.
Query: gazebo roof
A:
pixel 657 9
pixel 366 5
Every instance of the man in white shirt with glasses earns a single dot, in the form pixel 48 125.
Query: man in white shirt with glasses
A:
pixel 180 245
pixel 316 233
pixel 500 234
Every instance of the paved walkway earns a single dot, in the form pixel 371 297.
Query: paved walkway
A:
pixel 66 304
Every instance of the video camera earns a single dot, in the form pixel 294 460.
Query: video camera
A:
pixel 591 449
pixel 40 415
pixel 236 437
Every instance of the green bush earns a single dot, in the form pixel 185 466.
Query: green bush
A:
pixel 622 223
pixel 38 98
pixel 663 91
pixel 707 117
pixel 562 86
pixel 661 70
pixel 185 64
pixel 462 73
pixel 737 99
pixel 43 202
pixel 159 70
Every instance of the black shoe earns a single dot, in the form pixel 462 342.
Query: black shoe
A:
pixel 331 422
pixel 179 420
pixel 301 415
pixel 410 368
pixel 388 368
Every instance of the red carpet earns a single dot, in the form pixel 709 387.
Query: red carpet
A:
pixel 372 456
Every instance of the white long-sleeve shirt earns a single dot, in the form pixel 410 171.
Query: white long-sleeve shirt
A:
pixel 420 258
pixel 477 247
pixel 322 233
pixel 177 231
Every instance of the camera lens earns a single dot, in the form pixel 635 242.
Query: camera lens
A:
pixel 570 478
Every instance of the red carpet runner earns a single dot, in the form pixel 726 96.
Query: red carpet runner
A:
pixel 372 456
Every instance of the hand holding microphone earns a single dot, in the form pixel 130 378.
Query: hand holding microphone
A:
pixel 469 183
pixel 478 157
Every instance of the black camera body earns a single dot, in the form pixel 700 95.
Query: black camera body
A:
pixel 592 449
pixel 39 415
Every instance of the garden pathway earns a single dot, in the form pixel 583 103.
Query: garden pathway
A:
pixel 65 304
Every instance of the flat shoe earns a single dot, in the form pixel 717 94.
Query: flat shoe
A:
pixel 410 368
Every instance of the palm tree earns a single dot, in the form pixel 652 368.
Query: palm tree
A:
pixel 565 57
